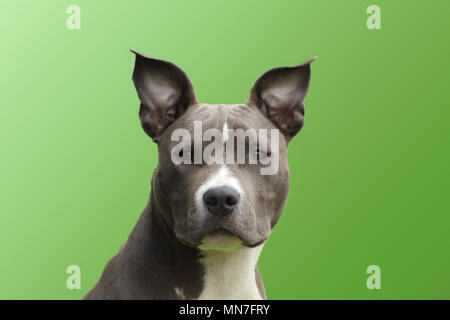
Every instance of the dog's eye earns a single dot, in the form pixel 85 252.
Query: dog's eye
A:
pixel 182 153
pixel 261 154
pixel 187 154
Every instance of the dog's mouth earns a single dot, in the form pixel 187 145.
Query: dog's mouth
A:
pixel 220 240
pixel 225 240
pixel 221 233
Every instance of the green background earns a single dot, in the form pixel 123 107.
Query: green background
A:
pixel 369 171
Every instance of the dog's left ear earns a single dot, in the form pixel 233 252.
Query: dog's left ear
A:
pixel 165 92
pixel 279 94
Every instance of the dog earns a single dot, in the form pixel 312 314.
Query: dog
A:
pixel 204 226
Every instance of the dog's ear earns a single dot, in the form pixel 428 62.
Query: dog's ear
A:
pixel 279 94
pixel 165 92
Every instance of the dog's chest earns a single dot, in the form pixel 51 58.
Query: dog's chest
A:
pixel 230 275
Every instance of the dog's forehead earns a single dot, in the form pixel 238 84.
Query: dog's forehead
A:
pixel 216 115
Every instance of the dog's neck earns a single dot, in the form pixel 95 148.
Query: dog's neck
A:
pixel 231 274
pixel 190 273
pixel 156 251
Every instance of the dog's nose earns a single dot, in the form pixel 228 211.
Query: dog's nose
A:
pixel 221 200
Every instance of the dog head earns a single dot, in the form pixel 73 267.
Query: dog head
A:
pixel 207 188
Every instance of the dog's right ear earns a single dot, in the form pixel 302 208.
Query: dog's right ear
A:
pixel 165 92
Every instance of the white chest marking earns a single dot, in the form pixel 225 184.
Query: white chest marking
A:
pixel 230 275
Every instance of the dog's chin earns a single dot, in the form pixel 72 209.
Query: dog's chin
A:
pixel 225 240
pixel 220 238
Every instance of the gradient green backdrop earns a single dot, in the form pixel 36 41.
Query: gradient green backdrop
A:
pixel 369 171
